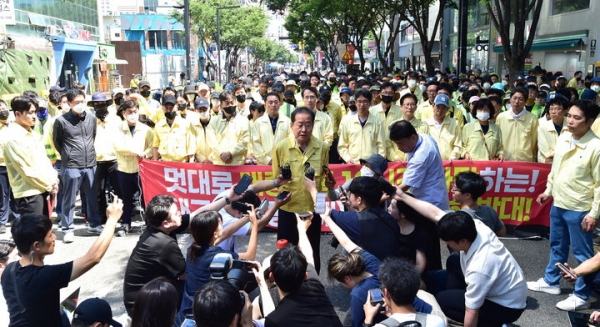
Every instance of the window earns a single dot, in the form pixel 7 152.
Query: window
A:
pixel 157 40
pixel 177 40
pixel 565 6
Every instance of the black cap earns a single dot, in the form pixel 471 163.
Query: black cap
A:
pixel 144 83
pixel 169 99
pixel 201 102
pixel 324 89
pixel 288 94
pixel 94 310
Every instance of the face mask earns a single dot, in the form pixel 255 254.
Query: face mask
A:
pixel 411 83
pixel 3 114
pixel 240 98
pixel 145 93
pixel 504 82
pixel 181 106
pixel 119 101
pixel 133 118
pixel 332 80
pixel 438 76
pixel 366 172
pixel 42 114
pixel 229 110
pixel 170 115
pixel 101 112
pixel 352 107
pixel 561 85
pixel 387 99
pixel 291 101
pixel 595 88
pixel 483 116
pixel 203 114
pixel 80 108
pixel 215 103
pixel 422 88
pixel 486 85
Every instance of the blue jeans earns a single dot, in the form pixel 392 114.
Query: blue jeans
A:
pixel 565 230
pixel 73 180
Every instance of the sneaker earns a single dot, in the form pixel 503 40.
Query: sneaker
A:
pixel 540 285
pixel 124 230
pixel 573 303
pixel 95 230
pixel 69 237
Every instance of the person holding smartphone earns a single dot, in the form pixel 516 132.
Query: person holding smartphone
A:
pixel 296 151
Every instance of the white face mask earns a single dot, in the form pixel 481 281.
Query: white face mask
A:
pixel 133 118
pixel 203 114
pixel 483 116
pixel 422 88
pixel 215 103
pixel 411 83
pixel 595 88
pixel 366 172
pixel 80 108
pixel 504 82
pixel 486 85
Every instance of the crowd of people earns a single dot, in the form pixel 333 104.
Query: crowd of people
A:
pixel 54 150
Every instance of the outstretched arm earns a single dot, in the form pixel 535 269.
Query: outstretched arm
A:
pixel 303 242
pixel 98 249
pixel 339 234
pixel 426 209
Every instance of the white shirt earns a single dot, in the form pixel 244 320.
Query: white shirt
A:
pixel 491 272
pixel 230 244
pixel 432 320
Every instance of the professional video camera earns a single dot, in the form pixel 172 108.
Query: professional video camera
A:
pixel 237 272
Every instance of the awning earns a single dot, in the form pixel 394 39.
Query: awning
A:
pixel 114 61
pixel 554 43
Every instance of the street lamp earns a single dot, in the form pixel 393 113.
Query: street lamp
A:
pixel 219 39
pixel 186 23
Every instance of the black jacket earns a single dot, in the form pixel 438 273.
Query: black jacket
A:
pixel 74 140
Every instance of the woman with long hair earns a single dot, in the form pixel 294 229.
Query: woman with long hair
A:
pixel 155 305
pixel 206 228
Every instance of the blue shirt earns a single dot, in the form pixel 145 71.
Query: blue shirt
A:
pixel 425 173
pixel 358 295
pixel 197 273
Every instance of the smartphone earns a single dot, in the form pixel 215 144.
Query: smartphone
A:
pixel 342 192
pixel 583 225
pixel 320 204
pixel 564 269
pixel 376 296
pixel 243 184
pixel 188 322
pixel 281 196
pixel 262 208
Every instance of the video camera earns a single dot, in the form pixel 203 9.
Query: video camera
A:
pixel 237 272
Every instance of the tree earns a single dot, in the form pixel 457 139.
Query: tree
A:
pixel 239 26
pixel 416 13
pixel 502 13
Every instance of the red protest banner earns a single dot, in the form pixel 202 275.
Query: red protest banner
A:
pixel 512 187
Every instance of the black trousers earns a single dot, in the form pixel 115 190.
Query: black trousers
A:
pixel 491 314
pixel 287 229
pixel 35 204
pixel 105 170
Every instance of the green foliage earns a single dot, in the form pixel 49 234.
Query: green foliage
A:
pixel 267 50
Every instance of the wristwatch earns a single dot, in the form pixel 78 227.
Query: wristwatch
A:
pixel 227 201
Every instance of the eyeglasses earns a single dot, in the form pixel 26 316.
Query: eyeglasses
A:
pixel 410 105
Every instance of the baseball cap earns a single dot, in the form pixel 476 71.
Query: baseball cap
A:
pixel 442 99
pixel 118 91
pixel 94 310
pixel 324 89
pixel 546 86
pixel 169 99
pixel 561 77
pixel 520 78
pixel 473 99
pixel 278 87
pixel 555 97
pixel 42 103
pixel 215 95
pixel 291 82
pixel 56 88
pixel 201 102
pixel 595 80
pixel 374 88
pixel 202 86
pixel 144 83
pixel 377 162
pixel 346 90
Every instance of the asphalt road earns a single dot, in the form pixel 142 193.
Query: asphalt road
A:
pixel 106 279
